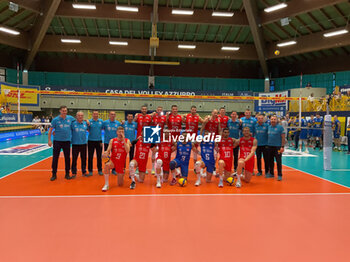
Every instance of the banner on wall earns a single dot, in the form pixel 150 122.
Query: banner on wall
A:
pixel 278 107
pixel 149 92
pixel 344 89
pixel 14 118
pixel 9 94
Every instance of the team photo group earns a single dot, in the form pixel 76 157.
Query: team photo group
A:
pixel 230 157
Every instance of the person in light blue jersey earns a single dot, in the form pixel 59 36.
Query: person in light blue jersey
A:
pixel 261 136
pixel 234 125
pixel 61 125
pixel 130 127
pixel 79 143
pixel 275 143
pixel 95 142
pixel 248 121
pixel 110 127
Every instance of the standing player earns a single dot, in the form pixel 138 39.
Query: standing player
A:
pixel 248 121
pixel 226 157
pixel 117 149
pixel 130 128
pixel 310 124
pixel 223 118
pixel 261 129
pixel 139 161
pixel 212 123
pixel 234 126
pixel 317 133
pixel 174 122
pixel 303 136
pixel 208 160
pixel 110 127
pixel 95 142
pixel 163 160
pixel 192 120
pixel 247 148
pixel 142 120
pixel 79 129
pixel 62 136
pixel 336 133
pixel 182 159
pixel 158 119
pixel 296 132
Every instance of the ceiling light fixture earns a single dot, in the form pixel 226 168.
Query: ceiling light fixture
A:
pixel 275 7
pixel 72 41
pixel 230 48
pixel 84 6
pixel 118 43
pixel 222 14
pixel 334 33
pixel 182 12
pixel 186 46
pixel 286 43
pixel 127 8
pixel 9 31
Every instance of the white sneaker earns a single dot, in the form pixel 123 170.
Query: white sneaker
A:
pixel 159 185
pixel 306 151
pixel 234 174
pixel 238 184
pixel 203 174
pixel 221 183
pixel 153 172
pixel 198 182
pixel 300 150
pixel 105 188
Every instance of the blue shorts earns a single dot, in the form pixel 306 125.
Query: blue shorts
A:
pixel 303 134
pixel 317 133
pixel 183 166
pixel 210 166
pixel 336 135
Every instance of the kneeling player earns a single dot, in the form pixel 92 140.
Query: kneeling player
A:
pixel 208 160
pixel 119 147
pixel 247 148
pixel 182 159
pixel 139 161
pixel 163 160
pixel 226 147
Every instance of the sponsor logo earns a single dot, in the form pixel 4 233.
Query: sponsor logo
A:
pixel 151 134
pixel 26 149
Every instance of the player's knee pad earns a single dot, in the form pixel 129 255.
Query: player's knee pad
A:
pixel 159 163
pixel 198 164
pixel 132 165
pixel 172 165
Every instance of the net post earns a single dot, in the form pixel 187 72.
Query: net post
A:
pixel 327 143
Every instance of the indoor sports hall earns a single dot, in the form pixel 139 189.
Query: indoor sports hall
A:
pixel 174 130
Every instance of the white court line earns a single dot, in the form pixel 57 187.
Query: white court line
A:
pixel 317 177
pixel 339 170
pixel 177 195
pixel 24 167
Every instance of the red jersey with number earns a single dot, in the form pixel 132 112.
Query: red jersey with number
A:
pixel 213 126
pixel 192 123
pixel 164 153
pixel 118 155
pixel 143 120
pixel 223 121
pixel 245 148
pixel 141 155
pixel 159 120
pixel 226 152
pixel 174 123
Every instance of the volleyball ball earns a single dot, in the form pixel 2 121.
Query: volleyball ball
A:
pixel 230 180
pixel 105 159
pixel 277 52
pixel 182 181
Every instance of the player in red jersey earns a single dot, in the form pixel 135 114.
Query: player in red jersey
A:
pixel 223 118
pixel 247 148
pixel 174 122
pixel 212 123
pixel 226 147
pixel 142 120
pixel 117 149
pixel 139 161
pixel 158 119
pixel 163 160
pixel 192 120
